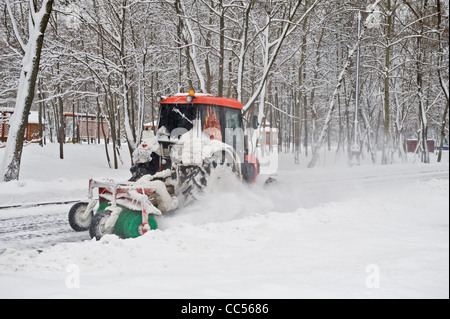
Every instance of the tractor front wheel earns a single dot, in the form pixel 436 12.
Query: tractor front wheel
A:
pixel 77 218
pixel 98 227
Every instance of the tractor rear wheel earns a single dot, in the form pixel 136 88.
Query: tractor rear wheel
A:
pixel 196 179
pixel 77 220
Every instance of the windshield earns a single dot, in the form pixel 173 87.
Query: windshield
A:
pixel 175 116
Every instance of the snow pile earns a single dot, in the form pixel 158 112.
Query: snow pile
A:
pixel 324 251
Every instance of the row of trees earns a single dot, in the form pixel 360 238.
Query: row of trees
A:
pixel 291 62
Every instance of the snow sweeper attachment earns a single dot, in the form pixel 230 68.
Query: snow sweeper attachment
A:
pixel 199 139
pixel 127 209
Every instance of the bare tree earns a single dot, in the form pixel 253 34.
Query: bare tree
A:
pixel 340 79
pixel 440 71
pixel 38 20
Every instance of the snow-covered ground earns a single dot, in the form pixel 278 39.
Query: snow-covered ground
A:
pixel 334 231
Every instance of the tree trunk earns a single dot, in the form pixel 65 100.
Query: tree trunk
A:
pixel 61 133
pixel 442 138
pixel 221 48
pixel 387 112
pixel 10 167
pixel 301 72
pixel 444 84
pixel 41 112
pixel 425 156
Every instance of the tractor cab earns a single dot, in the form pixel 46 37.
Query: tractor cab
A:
pixel 217 118
pixel 201 116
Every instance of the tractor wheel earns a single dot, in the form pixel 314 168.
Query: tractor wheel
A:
pixel 76 219
pixel 196 179
pixel 193 180
pixel 220 177
pixel 98 226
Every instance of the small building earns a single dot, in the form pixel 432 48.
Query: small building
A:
pixel 85 127
pixel 31 132
pixel 411 146
pixel 268 135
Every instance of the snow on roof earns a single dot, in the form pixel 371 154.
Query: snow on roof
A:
pixel 6 109
pixel 70 114
pixel 33 116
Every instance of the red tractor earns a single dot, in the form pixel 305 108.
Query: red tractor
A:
pixel 199 138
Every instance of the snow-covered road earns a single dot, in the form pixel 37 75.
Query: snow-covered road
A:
pixel 36 227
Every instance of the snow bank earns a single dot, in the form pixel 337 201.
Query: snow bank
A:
pixel 45 177
pixel 324 251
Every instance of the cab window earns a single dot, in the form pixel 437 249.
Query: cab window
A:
pixel 232 119
pixel 211 122
pixel 234 134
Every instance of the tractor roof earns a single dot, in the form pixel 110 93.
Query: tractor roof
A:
pixel 200 98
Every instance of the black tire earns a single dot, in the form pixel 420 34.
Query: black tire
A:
pixel 97 229
pixel 76 220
